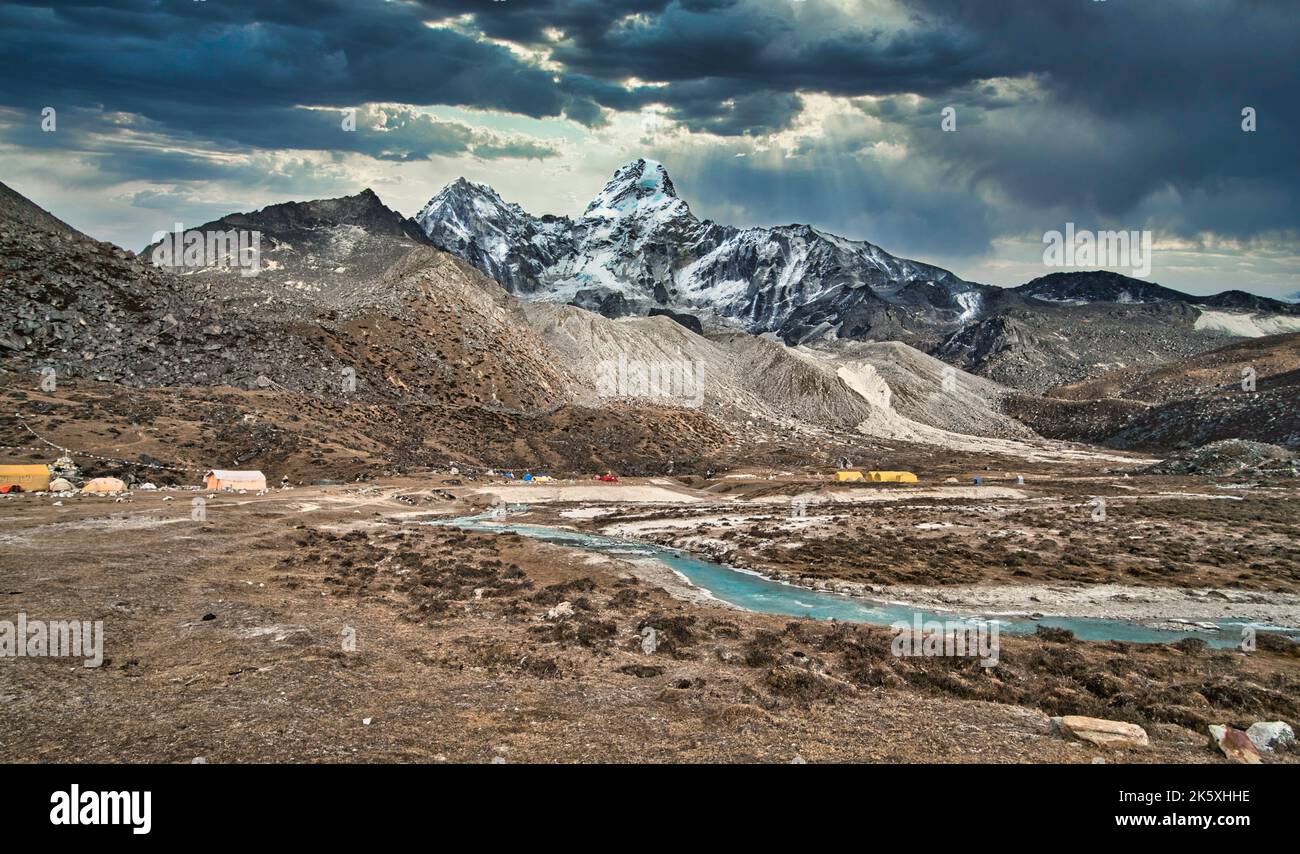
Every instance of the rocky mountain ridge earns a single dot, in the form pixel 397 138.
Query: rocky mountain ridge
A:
pixel 638 249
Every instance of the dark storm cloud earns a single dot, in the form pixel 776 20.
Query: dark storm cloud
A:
pixel 528 22
pixel 776 45
pixel 751 50
pixel 1128 58
pixel 1134 107
pixel 1125 110
pixel 110 160
pixel 123 147
pixel 205 67
pixel 727 109
pixel 917 215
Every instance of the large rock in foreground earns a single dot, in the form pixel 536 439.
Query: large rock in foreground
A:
pixel 1270 735
pixel 1101 732
pixel 1234 744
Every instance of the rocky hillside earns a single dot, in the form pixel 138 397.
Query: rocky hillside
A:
pixel 357 306
pixel 409 347
pixel 336 255
pixel 763 386
pixel 1067 327
pixel 352 309
pixel 736 377
pixel 1099 286
pixel 1035 345
pixel 1186 403
pixel 91 309
pixel 17 210
pixel 929 391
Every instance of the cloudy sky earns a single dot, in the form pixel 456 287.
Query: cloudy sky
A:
pixel 1105 113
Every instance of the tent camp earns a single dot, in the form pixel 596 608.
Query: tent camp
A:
pixel 891 477
pixel 843 476
pixel 33 478
pixel 223 479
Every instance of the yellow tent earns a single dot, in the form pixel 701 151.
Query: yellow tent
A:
pixel 891 477
pixel 32 478
pixel 843 476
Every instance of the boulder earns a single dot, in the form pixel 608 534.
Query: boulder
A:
pixel 1101 732
pixel 1268 736
pixel 561 611
pixel 1234 744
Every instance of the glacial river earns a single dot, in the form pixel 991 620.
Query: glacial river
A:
pixel 753 592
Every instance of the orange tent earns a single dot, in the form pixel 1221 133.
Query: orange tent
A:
pixel 104 486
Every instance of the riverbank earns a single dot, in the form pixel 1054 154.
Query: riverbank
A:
pixel 1155 607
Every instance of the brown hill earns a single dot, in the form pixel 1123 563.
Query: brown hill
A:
pixel 1189 402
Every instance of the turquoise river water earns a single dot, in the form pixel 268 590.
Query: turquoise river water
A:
pixel 753 592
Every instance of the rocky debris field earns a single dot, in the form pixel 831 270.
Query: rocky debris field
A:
pixel 1231 458
pixel 91 310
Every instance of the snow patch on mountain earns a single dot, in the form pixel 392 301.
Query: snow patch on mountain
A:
pixel 971 302
pixel 1246 325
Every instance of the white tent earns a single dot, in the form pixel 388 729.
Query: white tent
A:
pixel 224 479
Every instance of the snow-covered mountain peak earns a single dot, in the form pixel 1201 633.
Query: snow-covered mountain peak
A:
pixel 462 196
pixel 638 248
pixel 464 211
pixel 640 187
